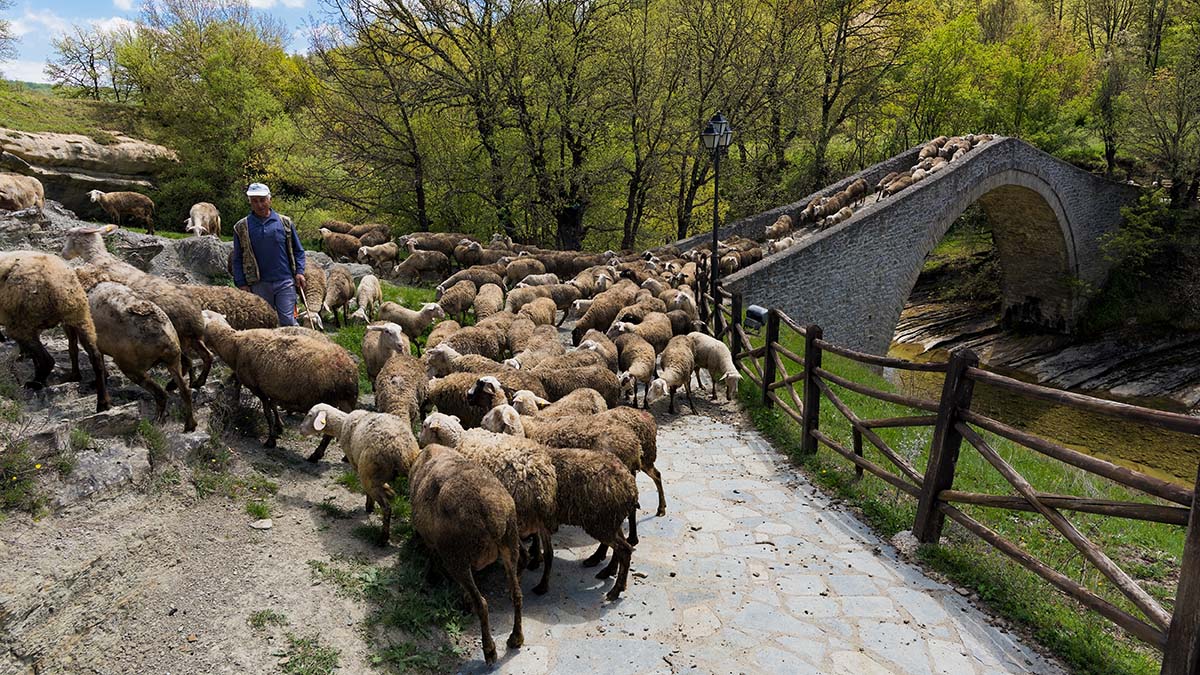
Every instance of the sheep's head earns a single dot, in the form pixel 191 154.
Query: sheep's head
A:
pixel 432 309
pixel 317 419
pixel 438 359
pixel 503 419
pixel 313 319
pixel 360 314
pixel 362 254
pixel 391 336
pixel 731 382
pixel 487 392
pixel 526 402
pixel 628 384
pixel 619 327
pixel 325 231
pixel 95 195
pixel 512 363
pixel 657 391
pixel 85 242
pixel 441 429
pixel 578 308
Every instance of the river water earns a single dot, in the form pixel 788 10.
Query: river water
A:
pixel 1165 454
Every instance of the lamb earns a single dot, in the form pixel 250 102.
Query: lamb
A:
pixel 856 191
pixel 636 362
pixel 241 309
pixel 539 280
pixel 603 310
pixel 712 355
pixel 542 311
pixel 522 267
pixel 558 382
pixel 37 292
pixel 422 266
pixel 313 297
pixel 522 466
pixel 458 299
pixel 414 322
pixel 439 334
pixel 203 218
pixel 578 309
pixel 776 245
pixel 339 290
pixel 339 245
pixel 480 276
pixel 381 341
pixel 678 362
pixel 488 301
pixel 380 447
pixel 886 180
pixel 368 297
pixel 781 226
pixel 844 214
pixel 21 192
pixel 401 387
pixel 288 371
pixel 655 328
pixel 895 186
pixel 466 517
pixel 121 206
pixel 445 242
pixel 378 255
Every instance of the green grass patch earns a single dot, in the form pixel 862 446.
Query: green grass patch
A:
pixel 266 617
pixel 1088 642
pixel 307 656
pixel 349 480
pixel 26 109
pixel 258 508
pixel 251 485
pixel 154 439
pixel 411 297
pixel 18 479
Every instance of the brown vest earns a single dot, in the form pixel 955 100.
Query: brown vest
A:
pixel 249 265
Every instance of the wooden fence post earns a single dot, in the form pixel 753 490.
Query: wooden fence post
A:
pixel 1182 653
pixel 703 306
pixel 957 390
pixel 718 317
pixel 811 415
pixel 735 337
pixel 768 371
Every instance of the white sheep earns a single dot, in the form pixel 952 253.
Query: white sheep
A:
pixel 712 355
pixel 203 218
pixel 678 362
pixel 368 298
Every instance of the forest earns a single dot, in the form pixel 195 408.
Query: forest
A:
pixel 575 123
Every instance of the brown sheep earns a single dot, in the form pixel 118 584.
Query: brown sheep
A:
pixel 340 245
pixel 339 290
pixel 120 206
pixel 203 218
pixel 422 266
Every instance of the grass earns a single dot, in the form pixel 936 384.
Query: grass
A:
pixel 18 479
pixel 266 617
pixel 155 440
pixel 350 337
pixel 25 109
pixel 258 509
pixel 1150 552
pixel 307 656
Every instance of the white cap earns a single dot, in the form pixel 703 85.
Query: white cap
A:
pixel 258 190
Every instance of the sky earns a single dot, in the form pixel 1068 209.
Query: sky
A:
pixel 35 23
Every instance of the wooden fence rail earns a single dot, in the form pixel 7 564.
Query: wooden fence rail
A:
pixel 776 371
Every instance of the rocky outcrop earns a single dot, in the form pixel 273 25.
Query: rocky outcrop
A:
pixel 69 165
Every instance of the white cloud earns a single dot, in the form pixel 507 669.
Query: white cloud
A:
pixel 24 71
pixel 41 21
pixel 112 24
pixel 123 5
pixel 268 4
pixel 292 4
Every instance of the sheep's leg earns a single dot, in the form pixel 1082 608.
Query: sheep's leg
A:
pixel 385 506
pixel 185 396
pixel 534 558
pixel 714 385
pixel 561 320
pixel 43 363
pixel 507 554
pixel 688 388
pixel 597 557
pixel 73 350
pixel 633 538
pixel 103 402
pixel 160 397
pixel 370 505
pixel 623 553
pixel 269 412
pixel 671 407
pixel 462 574
pixel 548 560
pixel 320 451
pixel 656 476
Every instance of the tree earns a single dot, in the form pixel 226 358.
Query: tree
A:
pixel 1109 107
pixel 8 40
pixel 1165 124
pixel 82 62
pixel 938 93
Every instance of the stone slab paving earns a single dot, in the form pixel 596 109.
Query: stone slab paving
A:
pixel 751 571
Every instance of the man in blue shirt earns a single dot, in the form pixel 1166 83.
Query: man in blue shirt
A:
pixel 268 259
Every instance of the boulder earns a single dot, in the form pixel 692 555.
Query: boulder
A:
pixel 205 257
pixel 108 466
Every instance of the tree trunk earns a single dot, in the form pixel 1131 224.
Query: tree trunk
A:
pixel 569 220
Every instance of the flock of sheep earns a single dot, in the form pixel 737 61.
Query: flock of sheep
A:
pixel 528 434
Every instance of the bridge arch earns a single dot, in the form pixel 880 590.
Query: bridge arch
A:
pixel 853 279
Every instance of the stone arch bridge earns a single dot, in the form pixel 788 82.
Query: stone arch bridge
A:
pixel 853 279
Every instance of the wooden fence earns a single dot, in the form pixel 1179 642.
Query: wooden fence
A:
pixel 776 371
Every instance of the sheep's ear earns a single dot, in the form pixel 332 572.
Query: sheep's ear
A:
pixel 541 402
pixel 455 418
pixel 319 422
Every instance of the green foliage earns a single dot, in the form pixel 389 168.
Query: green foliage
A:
pixel 258 508
pixel 307 656
pixel 154 439
pixel 266 617
pixel 1142 235
pixel 33 110
pixel 18 479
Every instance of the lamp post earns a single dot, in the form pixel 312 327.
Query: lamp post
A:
pixel 716 136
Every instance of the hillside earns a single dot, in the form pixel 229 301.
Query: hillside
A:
pixel 25 108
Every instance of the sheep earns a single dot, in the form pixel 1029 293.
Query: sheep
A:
pixel 655 286
pixel 380 447
pixel 682 298
pixel 466 517
pixel 542 311
pixel 480 340
pixel 638 311
pixel 558 382
pixel 339 290
pixel 312 298
pixel 445 242
pixel 21 192
pixel 380 342
pixel 414 322
pixel 451 394
pixel 339 245
pixel 401 387
pixel 841 216
pixel 378 255
pixel 203 218
pixel 886 180
pixel 439 334
pixel 304 332
pixel 636 362
pixel 655 328
pixel 562 294
pixel 678 362
pixel 339 226
pixel 467 253
pixel 781 226
pixel 376 237
pixel 121 206
pixel 542 345
pixel 776 245
pixel 241 309
pixel 521 466
pixel 488 301
pixel 597 341
pixel 895 186
pixel 522 267
pixel 422 266
pixel 288 371
pixel 380 231
pixel 368 297
pixel 539 280
pixel 37 292
pixel 603 310
pixel 519 332
pixel 87 244
pixel 443 360
pixel 458 299
pixel 579 402
pixel 480 276
pixel 919 175
pixel 712 355
pixel 578 308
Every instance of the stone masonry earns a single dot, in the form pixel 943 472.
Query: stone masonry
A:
pixel 853 279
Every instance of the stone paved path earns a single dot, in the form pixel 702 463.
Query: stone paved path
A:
pixel 751 571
